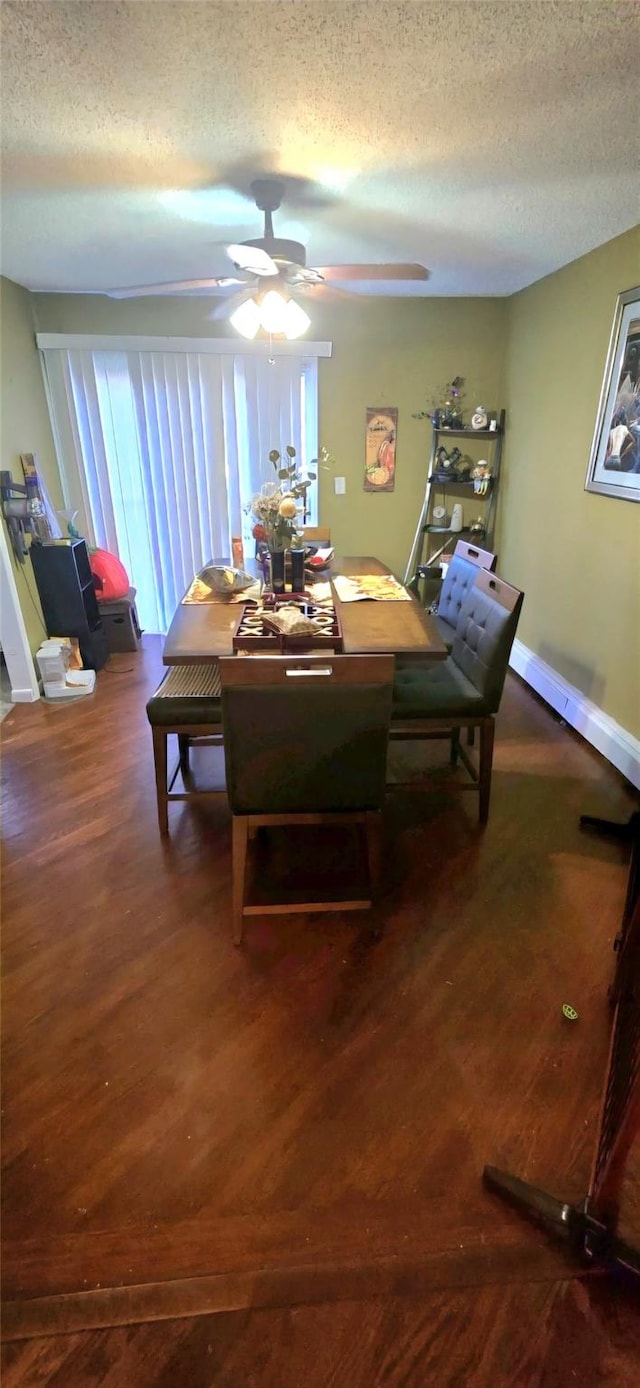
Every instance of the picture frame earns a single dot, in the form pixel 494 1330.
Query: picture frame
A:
pixel 614 462
pixel 380 449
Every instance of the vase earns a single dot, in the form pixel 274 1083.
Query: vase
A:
pixel 276 559
pixel 297 570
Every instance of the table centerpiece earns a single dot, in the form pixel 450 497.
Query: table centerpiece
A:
pixel 279 511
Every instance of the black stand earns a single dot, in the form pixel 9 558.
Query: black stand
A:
pixel 590 1229
pixel 586 1235
pixel 624 832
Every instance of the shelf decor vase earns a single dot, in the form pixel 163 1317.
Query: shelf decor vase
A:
pixel 297 570
pixel 277 562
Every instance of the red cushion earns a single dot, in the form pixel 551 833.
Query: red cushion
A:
pixel 111 580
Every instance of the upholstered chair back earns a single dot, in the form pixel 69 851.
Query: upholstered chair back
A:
pixel 460 577
pixel 484 635
pixel 306 734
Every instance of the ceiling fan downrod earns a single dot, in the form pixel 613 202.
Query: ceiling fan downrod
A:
pixel 268 194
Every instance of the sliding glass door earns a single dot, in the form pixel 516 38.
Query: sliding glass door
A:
pixel 162 452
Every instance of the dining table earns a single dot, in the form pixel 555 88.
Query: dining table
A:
pixel 201 632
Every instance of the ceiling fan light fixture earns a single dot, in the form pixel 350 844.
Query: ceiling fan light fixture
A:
pixel 273 311
pixel 296 320
pixel 276 314
pixel 246 318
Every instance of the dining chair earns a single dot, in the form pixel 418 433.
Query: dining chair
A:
pixel 187 704
pixel 460 576
pixel 464 691
pixel 305 743
pixel 317 534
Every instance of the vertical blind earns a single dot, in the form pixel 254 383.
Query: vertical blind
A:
pixel 162 452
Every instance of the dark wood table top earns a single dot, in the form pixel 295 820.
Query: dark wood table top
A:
pixel 201 632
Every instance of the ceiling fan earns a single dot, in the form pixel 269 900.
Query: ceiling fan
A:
pixel 269 268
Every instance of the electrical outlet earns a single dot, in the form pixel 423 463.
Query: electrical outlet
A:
pixel 340 485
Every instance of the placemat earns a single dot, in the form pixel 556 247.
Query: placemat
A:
pixel 374 587
pixel 200 592
pixel 320 592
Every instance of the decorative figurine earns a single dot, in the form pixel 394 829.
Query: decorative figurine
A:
pixel 446 463
pixel 481 477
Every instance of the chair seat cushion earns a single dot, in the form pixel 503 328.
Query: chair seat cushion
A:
pixel 188 694
pixel 435 691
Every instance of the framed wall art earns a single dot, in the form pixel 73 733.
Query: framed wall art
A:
pixel 614 465
pixel 380 450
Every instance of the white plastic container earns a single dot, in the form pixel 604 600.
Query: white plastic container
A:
pixel 53 660
pixel 58 680
pixel 74 684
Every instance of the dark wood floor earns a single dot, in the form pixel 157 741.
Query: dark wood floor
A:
pixel 527 1335
pixel 263 1166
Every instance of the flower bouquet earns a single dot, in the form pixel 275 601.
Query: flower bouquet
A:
pixel 277 506
pixel 278 509
pixel 446 413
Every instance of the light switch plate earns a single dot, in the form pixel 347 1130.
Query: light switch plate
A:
pixel 340 485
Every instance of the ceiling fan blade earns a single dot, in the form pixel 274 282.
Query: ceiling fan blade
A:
pixel 373 272
pixel 252 259
pixel 320 290
pixel 229 306
pixel 175 287
pixel 300 276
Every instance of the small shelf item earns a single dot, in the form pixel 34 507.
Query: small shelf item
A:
pixel 452 476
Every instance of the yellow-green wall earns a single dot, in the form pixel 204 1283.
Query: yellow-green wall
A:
pixel 576 554
pixel 398 352
pixel 24 424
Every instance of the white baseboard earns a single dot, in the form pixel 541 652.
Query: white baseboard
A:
pixel 23 696
pixel 621 748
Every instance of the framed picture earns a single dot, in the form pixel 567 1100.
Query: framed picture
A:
pixel 614 465
pixel 380 450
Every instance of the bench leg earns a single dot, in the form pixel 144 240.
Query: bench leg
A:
pixel 183 747
pixel 240 828
pixel 486 763
pixel 160 763
pixel 373 831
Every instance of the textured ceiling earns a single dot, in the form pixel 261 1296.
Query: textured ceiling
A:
pixel 491 142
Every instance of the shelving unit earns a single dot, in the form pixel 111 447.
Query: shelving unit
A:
pixel 432 542
pixel 68 598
